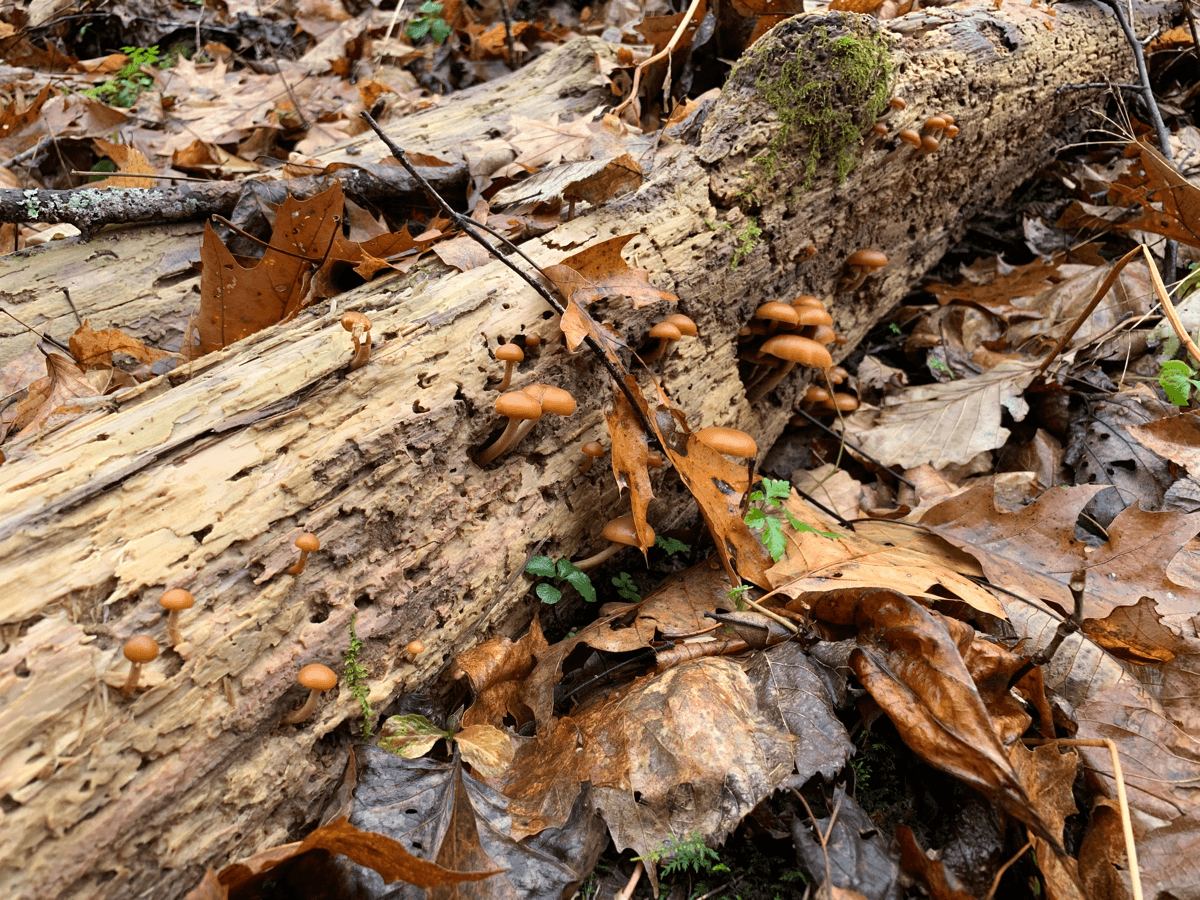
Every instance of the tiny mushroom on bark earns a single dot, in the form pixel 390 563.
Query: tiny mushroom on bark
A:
pixel 554 401
pixel 805 301
pixel 175 601
pixel 728 441
pixel 359 327
pixel 897 103
pixel 620 532
pixel 822 334
pixel 684 323
pixel 139 649
pixel 510 354
pixel 775 313
pixel 593 450
pixel 910 136
pixel 792 349
pixel 666 334
pixel 654 460
pixel 929 143
pixel 519 407
pixel 307 543
pixel 951 131
pixel 861 264
pixel 414 649
pixel 879 128
pixel 317 678
pixel 533 341
pixel 816 394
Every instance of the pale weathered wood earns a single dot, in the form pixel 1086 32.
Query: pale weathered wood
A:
pixel 205 483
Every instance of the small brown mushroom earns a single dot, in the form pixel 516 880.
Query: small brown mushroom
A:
pixel 654 459
pixel 775 313
pixel 593 450
pixel 307 543
pixel 666 334
pixel 935 123
pixel 684 323
pixel 414 649
pixel 359 327
pixel 880 129
pixel 951 131
pixel 519 407
pixel 836 374
pixel 620 532
pixel 929 143
pixel 897 103
pixel 318 679
pixel 910 136
pixel 533 341
pixel 511 354
pixel 728 441
pixel 804 301
pixel 175 601
pixel 554 401
pixel 861 264
pixel 139 649
pixel 792 349
pixel 815 395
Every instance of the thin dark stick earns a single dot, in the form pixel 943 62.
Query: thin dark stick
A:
pixel 71 304
pixel 508 36
pixel 841 437
pixel 825 509
pixel 469 227
pixel 1171 254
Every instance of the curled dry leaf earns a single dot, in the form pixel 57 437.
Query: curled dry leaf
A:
pixel 94 349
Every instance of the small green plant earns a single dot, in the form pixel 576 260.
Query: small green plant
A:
pixel 683 855
pixel 626 589
pixel 748 240
pixel 940 365
pixel 670 545
pixel 894 328
pixel 428 21
pixel 771 497
pixel 1178 379
pixel 129 81
pixel 356 679
pixel 563 570
pixel 736 596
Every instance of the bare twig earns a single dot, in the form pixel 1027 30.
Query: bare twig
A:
pixel 665 51
pixel 1169 309
pixel 471 229
pixel 1004 868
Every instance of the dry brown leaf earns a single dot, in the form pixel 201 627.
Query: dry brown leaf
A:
pixel 630 463
pixel 1169 203
pixel 496 669
pixel 1136 634
pixel 599 271
pixel 1048 776
pixel 50 398
pixel 95 349
pixel 1176 438
pixel 948 423
pixel 128 159
pixel 487 750
pixel 912 668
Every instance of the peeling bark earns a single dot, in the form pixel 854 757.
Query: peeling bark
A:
pixel 205 482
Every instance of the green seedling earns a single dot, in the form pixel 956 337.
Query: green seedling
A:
pixel 428 21
pixel 736 596
pixel 683 855
pixel 355 677
pixel 626 589
pixel 562 571
pixel 1178 379
pixel 771 497
pixel 940 365
pixel 894 328
pixel 670 545
pixel 129 81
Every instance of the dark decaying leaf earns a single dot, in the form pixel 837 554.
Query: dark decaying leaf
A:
pixel 1048 775
pixel 912 668
pixel 436 809
pixel 858 854
pixel 930 871
pixel 496 669
pixel 797 694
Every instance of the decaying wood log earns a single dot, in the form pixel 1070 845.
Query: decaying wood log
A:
pixel 204 482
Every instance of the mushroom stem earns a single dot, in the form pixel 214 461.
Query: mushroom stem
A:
pixel 297 716
pixel 173 628
pixel 298 566
pixel 770 382
pixel 586 465
pixel 135 672
pixel 362 351
pixel 502 443
pixel 507 379
pixel 592 561
pixel 653 355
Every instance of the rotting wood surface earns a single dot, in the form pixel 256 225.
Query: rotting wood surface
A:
pixel 205 483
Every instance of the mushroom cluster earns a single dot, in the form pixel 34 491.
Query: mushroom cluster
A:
pixel 791 334
pixel 523 409
pixel 673 328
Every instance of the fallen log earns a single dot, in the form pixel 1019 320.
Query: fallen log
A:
pixel 205 481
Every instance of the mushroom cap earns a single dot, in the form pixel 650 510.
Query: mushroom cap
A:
pixel 176 598
pixel 867 259
pixel 414 647
pixel 823 334
pixel 816 394
pixel 317 677
pixel 665 331
pixel 685 325
pixel 936 123
pixel 910 136
pixel 798 349
pixel 951 131
pixel 621 530
pixel 838 374
pixel 814 315
pixel 728 441
pixel 775 311
pixel 532 341
pixel 351 319
pixel 518 405
pixel 551 399
pixel 308 541
pixel 897 103
pixel 141 648
pixel 879 128
pixel 845 402
pixel 806 300
pixel 593 448
pixel 929 143
pixel 510 353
